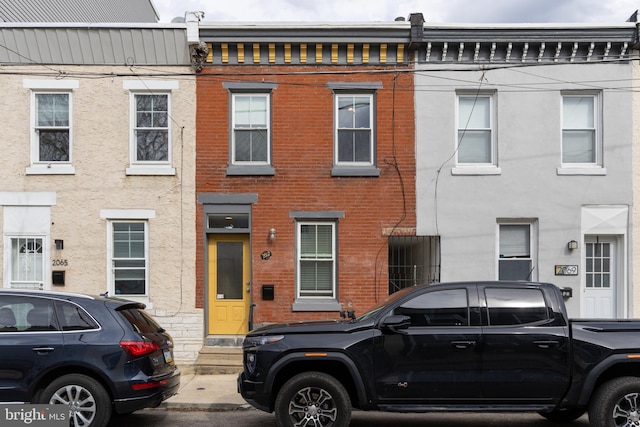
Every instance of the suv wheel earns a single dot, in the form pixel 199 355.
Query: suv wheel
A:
pixel 89 403
pixel 616 403
pixel 313 399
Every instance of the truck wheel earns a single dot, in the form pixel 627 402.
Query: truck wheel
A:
pixel 616 403
pixel 313 399
pixel 89 403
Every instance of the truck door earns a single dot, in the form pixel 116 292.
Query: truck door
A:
pixel 437 357
pixel 525 354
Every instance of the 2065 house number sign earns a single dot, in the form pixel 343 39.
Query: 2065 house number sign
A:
pixel 566 270
pixel 59 263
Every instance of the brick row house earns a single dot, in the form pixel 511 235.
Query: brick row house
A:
pixel 305 170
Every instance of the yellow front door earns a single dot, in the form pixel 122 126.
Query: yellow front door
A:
pixel 229 283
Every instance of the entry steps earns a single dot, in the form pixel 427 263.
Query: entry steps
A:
pixel 220 355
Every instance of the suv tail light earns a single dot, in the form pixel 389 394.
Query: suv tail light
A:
pixel 139 348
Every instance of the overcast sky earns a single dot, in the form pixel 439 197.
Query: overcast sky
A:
pixel 434 11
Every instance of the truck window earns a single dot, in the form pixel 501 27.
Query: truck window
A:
pixel 515 306
pixel 442 308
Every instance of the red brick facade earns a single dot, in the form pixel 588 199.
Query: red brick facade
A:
pixel 302 120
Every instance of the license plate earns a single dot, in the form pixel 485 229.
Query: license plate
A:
pixel 167 356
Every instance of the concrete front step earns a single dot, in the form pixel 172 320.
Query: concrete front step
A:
pixel 214 360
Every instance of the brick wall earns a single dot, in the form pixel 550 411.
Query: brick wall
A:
pixel 302 155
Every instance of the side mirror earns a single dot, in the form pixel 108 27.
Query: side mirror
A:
pixel 395 322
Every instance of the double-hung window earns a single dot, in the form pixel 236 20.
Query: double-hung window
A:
pixel 355 136
pixel 316 260
pixel 581 146
pixel 476 150
pixel 516 253
pixel 354 129
pixel 150 144
pixel 51 126
pixel 250 145
pixel 129 257
pixel 251 133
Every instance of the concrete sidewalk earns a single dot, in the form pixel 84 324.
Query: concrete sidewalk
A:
pixel 207 393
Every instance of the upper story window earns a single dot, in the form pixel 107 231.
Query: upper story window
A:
pixel 354 129
pixel 250 144
pixel 251 130
pixel 151 128
pixel 476 135
pixel 150 147
pixel 581 142
pixel 51 126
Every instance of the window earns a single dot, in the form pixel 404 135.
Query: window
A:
pixel 316 260
pixel 579 130
pixel 129 257
pixel 151 128
pixel 73 318
pixel 515 252
pixel 354 129
pixel 51 126
pixel 440 308
pixel 476 146
pixel 251 133
pixel 150 140
pixel 354 151
pixel 27 262
pixel 515 306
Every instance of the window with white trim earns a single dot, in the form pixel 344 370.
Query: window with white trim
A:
pixel 476 134
pixel 51 126
pixel 354 127
pixel 151 139
pixel 516 251
pixel 151 145
pixel 580 134
pixel 129 258
pixel 251 139
pixel 316 255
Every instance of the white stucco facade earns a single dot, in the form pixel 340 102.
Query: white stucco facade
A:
pixel 527 182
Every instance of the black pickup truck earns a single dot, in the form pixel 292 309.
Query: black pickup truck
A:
pixel 481 346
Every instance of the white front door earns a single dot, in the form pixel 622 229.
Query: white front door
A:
pixel 600 277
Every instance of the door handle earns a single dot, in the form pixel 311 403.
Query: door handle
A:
pixel 463 344
pixel 546 344
pixel 43 350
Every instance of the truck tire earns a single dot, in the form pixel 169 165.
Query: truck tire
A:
pixel 616 403
pixel 313 399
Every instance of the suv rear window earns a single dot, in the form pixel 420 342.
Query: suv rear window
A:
pixel 141 321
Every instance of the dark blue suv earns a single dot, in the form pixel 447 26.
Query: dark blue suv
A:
pixel 99 355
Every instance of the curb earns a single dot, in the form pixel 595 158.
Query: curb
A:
pixel 204 407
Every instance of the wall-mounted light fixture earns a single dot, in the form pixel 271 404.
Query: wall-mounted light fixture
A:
pixel 59 244
pixel 272 235
pixel 572 245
